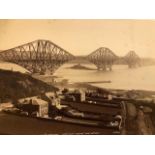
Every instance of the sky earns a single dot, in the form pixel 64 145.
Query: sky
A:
pixel 81 37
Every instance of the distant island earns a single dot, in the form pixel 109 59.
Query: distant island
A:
pixel 79 66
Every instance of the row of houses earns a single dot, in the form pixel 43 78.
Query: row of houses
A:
pixel 39 105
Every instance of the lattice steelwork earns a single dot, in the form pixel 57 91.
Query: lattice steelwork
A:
pixel 103 58
pixel 37 56
pixel 132 59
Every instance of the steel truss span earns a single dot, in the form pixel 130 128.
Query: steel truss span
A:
pixel 103 58
pixel 37 56
pixel 43 55
pixel 132 59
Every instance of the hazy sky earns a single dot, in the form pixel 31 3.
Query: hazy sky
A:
pixel 81 37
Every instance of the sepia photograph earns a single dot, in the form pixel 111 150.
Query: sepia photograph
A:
pixel 77 77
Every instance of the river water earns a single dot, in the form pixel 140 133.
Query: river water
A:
pixel 121 77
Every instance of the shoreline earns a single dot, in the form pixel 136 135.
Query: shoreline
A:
pixel 89 85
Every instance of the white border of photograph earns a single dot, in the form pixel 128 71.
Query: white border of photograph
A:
pixel 79 9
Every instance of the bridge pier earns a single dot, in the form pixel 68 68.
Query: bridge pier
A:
pixel 105 67
pixel 133 65
pixel 109 67
pixel 103 58
pixel 132 59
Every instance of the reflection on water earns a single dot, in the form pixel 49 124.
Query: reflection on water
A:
pixel 121 77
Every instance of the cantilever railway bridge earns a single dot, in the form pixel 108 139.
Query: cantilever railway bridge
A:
pixel 103 58
pixel 42 55
pixel 37 56
pixel 132 59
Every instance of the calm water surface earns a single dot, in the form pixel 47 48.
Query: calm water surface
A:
pixel 121 77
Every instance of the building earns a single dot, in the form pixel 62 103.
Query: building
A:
pixel 76 95
pixel 34 106
pixel 6 105
pixel 54 98
pixel 42 107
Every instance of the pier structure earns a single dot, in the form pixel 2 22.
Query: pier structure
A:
pixel 132 59
pixel 103 58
